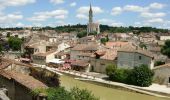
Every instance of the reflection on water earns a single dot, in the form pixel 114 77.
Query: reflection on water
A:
pixel 105 93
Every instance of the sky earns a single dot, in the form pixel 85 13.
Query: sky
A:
pixel 25 13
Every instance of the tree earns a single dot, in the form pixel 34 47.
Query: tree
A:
pixel 157 63
pixel 103 40
pixel 141 76
pixel 58 94
pixel 14 43
pixel 93 33
pixel 82 34
pixel 1 48
pixel 142 45
pixel 110 70
pixel 78 94
pixel 165 50
pixel 121 75
pixel 8 34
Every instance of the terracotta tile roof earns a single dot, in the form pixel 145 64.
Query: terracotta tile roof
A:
pixel 131 48
pixel 155 49
pixel 16 62
pixel 25 80
pixel 84 47
pixel 115 44
pixel 44 54
pixel 107 54
pixel 4 64
pixel 80 63
pixel 85 54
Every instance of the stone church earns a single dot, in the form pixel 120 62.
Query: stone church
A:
pixel 91 26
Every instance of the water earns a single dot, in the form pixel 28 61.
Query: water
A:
pixel 105 93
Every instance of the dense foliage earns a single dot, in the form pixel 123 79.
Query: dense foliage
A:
pixel 142 45
pixel 104 40
pixel 157 63
pixel 51 79
pixel 139 76
pixel 15 43
pixel 82 94
pixel 121 75
pixel 60 93
pixel 81 34
pixel 166 48
pixel 1 48
pixel 104 28
pixel 110 70
pixel 84 33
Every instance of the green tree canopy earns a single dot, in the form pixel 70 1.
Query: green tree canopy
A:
pixel 60 93
pixel 110 70
pixel 1 48
pixel 166 48
pixel 141 76
pixel 82 94
pixel 14 43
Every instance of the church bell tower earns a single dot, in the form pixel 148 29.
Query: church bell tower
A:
pixel 90 15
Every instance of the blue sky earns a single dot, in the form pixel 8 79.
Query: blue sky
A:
pixel 61 12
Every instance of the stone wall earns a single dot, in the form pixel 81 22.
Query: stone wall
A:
pixel 130 60
pixel 162 75
pixel 15 90
pixel 99 65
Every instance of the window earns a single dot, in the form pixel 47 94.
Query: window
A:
pixel 102 64
pixel 140 57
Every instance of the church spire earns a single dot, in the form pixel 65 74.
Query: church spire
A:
pixel 90 14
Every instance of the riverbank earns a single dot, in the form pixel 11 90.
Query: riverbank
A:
pixel 153 90
pixel 99 81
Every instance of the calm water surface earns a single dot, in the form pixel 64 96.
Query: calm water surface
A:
pixel 105 93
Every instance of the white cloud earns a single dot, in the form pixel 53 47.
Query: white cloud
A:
pixel 43 16
pixel 105 21
pixel 110 22
pixel 37 25
pixel 82 12
pixel 82 16
pixel 152 15
pixel 19 24
pixel 57 1
pixel 9 3
pixel 117 24
pixel 85 10
pixel 156 5
pixel 10 18
pixel 116 10
pixel 73 4
pixel 134 8
pixel 155 20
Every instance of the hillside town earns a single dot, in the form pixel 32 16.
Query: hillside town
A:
pixel 34 58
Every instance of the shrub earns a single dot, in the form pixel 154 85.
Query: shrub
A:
pixel 110 69
pixel 60 93
pixel 157 63
pixel 78 94
pixel 121 75
pixel 141 76
pixel 166 48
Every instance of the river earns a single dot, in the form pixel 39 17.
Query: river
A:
pixel 105 93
